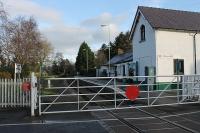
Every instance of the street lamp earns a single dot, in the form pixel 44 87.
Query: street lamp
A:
pixel 86 57
pixel 40 64
pixel 108 25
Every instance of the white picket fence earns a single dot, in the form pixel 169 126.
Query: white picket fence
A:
pixel 12 95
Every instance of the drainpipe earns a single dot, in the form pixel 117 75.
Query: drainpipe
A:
pixel 195 53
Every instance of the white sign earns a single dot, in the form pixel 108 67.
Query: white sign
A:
pixel 18 68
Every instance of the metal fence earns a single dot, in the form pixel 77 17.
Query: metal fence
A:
pixel 12 95
pixel 59 95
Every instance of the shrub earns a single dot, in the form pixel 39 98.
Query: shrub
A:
pixel 6 75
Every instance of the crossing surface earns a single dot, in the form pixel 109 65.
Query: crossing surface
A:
pixel 103 122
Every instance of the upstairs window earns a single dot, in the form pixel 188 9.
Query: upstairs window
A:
pixel 142 33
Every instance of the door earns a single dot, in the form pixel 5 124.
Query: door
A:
pixel 124 70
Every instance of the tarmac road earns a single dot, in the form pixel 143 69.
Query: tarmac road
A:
pixel 20 122
pixel 103 122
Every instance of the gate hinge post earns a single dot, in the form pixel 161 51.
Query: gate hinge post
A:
pixel 33 93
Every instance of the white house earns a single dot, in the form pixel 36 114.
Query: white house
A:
pixel 124 65
pixel 120 65
pixel 165 42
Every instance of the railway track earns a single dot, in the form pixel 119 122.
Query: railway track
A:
pixel 122 120
pixel 128 121
pixel 135 128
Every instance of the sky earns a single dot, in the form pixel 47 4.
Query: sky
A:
pixel 67 23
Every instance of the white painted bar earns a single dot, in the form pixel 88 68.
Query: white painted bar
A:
pixel 182 90
pixel 12 95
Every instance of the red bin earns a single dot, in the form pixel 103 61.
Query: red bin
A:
pixel 26 86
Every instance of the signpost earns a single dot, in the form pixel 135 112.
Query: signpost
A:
pixel 18 68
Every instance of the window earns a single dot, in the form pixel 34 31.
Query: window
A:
pixel 124 70
pixel 178 66
pixel 137 68
pixel 142 33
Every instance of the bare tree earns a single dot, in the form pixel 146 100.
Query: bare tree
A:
pixel 25 41
pixel 45 50
pixel 7 28
pixel 100 58
pixel 3 27
pixel 27 45
pixel 21 41
pixel 3 14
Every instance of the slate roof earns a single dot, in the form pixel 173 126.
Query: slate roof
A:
pixel 126 57
pixel 171 19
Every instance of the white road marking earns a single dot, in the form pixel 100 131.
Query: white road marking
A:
pixel 159 129
pixel 88 121
pixel 53 122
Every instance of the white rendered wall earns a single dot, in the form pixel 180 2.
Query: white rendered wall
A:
pixel 120 69
pixel 172 45
pixel 144 52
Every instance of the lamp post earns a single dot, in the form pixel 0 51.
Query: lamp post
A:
pixel 40 67
pixel 108 25
pixel 86 58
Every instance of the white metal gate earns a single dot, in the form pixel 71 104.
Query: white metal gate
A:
pixel 12 95
pixel 59 95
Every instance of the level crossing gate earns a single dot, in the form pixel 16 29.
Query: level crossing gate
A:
pixel 79 94
pixel 12 95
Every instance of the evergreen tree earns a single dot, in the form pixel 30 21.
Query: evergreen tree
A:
pixel 121 42
pixel 81 59
pixel 66 68
pixel 101 56
pixel 55 68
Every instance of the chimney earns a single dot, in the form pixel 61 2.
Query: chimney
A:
pixel 120 51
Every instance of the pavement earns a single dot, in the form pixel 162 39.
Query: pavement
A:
pixel 19 121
